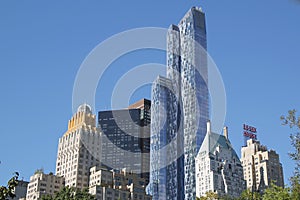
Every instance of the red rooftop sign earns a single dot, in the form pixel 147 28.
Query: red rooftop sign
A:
pixel 250 132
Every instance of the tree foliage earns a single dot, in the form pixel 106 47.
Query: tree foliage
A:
pixel 9 190
pixel 249 195
pixel 209 196
pixel 276 192
pixel 214 196
pixel 295 190
pixel 294 123
pixel 67 193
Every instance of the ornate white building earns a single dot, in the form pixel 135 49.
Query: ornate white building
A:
pixel 261 166
pixel 218 168
pixel 79 149
pixel 117 185
pixel 43 184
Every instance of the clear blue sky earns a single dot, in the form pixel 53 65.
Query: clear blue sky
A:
pixel 255 44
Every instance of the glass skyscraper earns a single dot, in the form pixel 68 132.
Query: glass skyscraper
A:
pixel 125 140
pixel 163 143
pixel 180 110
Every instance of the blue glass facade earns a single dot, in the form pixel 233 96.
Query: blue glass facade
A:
pixel 180 111
pixel 163 143
pixel 194 92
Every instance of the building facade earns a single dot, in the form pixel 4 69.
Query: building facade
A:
pixel 163 157
pixel 194 91
pixel 125 141
pixel 117 185
pixel 144 105
pixel 20 190
pixel 43 184
pixel 261 166
pixel 79 149
pixel 186 98
pixel 218 168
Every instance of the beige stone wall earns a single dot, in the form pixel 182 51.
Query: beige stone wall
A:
pixel 42 184
pixel 261 166
pixel 79 149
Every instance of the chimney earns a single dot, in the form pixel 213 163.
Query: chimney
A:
pixel 208 127
pixel 225 132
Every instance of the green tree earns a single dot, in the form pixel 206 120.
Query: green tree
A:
pixel 293 121
pixel 209 196
pixel 9 190
pixel 67 193
pixel 295 190
pixel 275 192
pixel 248 195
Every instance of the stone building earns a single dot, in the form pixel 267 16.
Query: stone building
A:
pixel 79 149
pixel 218 168
pixel 117 185
pixel 261 167
pixel 43 184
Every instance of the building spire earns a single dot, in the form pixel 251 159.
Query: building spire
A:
pixel 225 132
pixel 208 127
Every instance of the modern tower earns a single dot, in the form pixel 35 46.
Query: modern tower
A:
pixel 184 95
pixel 79 149
pixel 125 141
pixel 144 105
pixel 194 92
pixel 163 156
